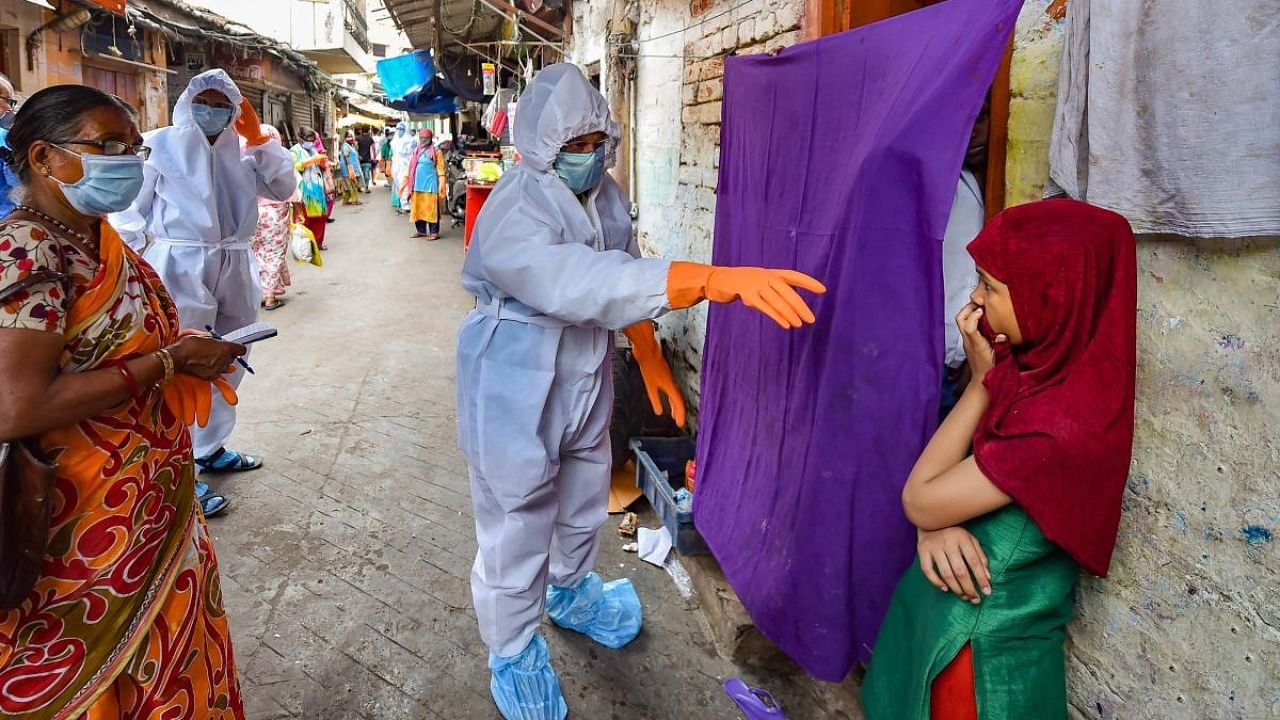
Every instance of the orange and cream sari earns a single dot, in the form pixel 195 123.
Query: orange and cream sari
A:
pixel 126 621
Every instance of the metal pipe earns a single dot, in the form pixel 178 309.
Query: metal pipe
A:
pixel 518 15
pixel 634 181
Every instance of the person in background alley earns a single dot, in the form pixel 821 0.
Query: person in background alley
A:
pixel 959 277
pixel 331 192
pixel 311 163
pixel 554 269
pixel 349 171
pixel 271 240
pixel 8 111
pixel 402 147
pixel 1004 529
pixel 368 159
pixel 426 173
pixel 125 618
pixel 195 216
pixel 384 159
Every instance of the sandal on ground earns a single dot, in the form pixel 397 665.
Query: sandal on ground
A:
pixel 211 503
pixel 228 461
pixel 432 238
pixel 755 703
pixel 274 306
pixel 415 236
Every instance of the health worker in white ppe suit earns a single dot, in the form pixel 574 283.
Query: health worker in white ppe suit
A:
pixel 554 271
pixel 193 221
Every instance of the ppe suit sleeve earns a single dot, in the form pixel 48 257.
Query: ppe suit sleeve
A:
pixel 523 257
pixel 131 223
pixel 272 165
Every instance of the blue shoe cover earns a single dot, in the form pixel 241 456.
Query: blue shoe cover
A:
pixel 525 687
pixel 608 613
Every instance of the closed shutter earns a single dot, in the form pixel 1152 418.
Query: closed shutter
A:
pixel 301 109
pixel 254 93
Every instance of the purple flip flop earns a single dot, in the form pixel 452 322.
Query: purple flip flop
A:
pixel 755 703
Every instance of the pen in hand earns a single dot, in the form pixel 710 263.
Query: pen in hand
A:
pixel 214 334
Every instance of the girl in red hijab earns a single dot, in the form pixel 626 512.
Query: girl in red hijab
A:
pixel 1005 527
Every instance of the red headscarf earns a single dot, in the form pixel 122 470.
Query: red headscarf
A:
pixel 1058 435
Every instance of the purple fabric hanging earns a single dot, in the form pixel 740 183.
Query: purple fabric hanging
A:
pixel 839 158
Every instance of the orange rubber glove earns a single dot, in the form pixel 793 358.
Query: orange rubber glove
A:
pixel 249 126
pixel 771 292
pixel 658 380
pixel 191 399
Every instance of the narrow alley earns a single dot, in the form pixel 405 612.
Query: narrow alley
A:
pixel 345 559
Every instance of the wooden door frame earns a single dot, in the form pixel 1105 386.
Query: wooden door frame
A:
pixel 827 17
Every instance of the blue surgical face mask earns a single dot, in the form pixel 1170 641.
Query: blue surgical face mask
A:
pixel 580 171
pixel 211 120
pixel 110 183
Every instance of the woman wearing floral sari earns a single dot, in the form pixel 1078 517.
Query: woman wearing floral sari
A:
pixel 271 238
pixel 125 621
pixel 311 162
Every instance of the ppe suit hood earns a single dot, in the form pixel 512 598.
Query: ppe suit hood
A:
pixel 208 80
pixel 202 193
pixel 559 105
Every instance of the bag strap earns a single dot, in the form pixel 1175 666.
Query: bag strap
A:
pixel 41 275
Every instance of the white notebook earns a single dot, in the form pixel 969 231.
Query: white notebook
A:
pixel 250 334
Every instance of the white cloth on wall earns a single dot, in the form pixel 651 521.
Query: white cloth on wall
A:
pixel 1169 113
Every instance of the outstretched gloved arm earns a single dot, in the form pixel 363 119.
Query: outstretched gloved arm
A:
pixel 771 292
pixel 658 380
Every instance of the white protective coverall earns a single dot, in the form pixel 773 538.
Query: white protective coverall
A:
pixel 195 217
pixel 402 146
pixel 552 276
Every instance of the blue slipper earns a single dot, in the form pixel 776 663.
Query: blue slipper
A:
pixel 211 503
pixel 229 461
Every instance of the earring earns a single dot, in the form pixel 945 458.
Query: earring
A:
pixel 46 170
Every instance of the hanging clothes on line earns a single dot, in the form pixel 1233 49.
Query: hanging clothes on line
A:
pixel 1171 118
pixel 839 158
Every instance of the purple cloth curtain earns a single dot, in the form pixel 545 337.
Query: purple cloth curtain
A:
pixel 840 158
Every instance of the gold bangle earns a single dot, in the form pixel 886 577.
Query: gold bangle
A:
pixel 166 361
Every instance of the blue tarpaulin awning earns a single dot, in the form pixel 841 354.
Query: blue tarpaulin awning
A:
pixel 411 84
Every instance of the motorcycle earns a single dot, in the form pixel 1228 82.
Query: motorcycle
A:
pixel 456 177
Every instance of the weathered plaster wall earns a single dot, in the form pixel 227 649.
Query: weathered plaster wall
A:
pixel 19 19
pixel 1188 623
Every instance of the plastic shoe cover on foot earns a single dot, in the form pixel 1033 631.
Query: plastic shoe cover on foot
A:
pixel 525 687
pixel 608 613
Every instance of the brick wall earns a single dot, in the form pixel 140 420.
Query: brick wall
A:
pixel 679 86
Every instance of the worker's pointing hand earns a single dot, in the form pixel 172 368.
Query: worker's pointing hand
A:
pixel 771 292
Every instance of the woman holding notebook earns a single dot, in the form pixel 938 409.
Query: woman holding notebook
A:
pixel 120 613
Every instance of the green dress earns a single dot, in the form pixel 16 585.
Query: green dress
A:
pixel 1017 633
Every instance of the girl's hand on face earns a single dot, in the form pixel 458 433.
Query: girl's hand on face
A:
pixel 952 560
pixel 980 352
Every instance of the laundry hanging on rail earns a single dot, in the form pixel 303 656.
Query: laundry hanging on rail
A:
pixel 839 158
pixel 1171 116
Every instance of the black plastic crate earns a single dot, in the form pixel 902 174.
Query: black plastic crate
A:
pixel 660 464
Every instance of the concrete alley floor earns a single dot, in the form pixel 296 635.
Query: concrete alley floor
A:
pixel 345 559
